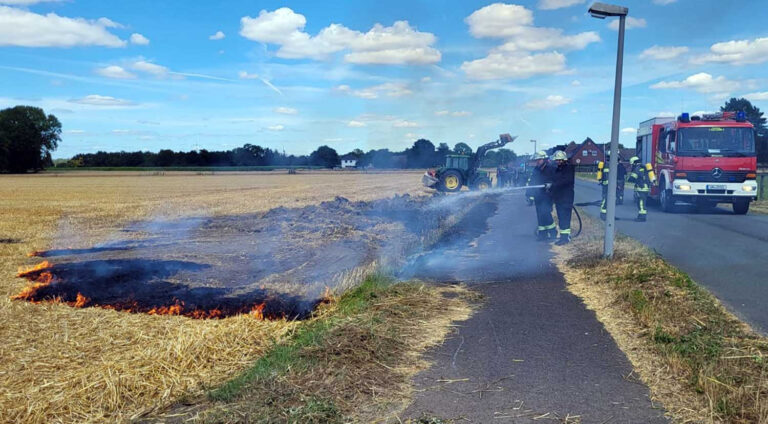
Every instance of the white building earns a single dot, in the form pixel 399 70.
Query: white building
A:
pixel 348 161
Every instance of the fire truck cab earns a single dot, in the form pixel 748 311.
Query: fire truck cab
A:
pixel 702 159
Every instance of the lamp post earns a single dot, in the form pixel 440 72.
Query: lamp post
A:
pixel 602 11
pixel 534 146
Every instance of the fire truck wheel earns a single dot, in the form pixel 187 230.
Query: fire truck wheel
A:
pixel 665 199
pixel 741 207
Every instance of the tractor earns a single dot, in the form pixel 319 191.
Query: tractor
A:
pixel 463 169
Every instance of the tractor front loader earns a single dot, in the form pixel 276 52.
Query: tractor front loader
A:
pixel 464 169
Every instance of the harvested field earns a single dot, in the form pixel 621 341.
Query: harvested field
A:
pixel 67 364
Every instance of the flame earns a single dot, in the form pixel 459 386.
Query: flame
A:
pixel 40 276
pixel 81 301
pixel 35 253
pixel 174 309
pixel 257 311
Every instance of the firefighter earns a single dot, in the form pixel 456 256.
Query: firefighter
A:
pixel 541 175
pixel 602 180
pixel 528 177
pixel 563 174
pixel 643 177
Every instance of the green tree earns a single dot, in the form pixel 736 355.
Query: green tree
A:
pixel 324 156
pixel 462 149
pixel 755 116
pixel 27 138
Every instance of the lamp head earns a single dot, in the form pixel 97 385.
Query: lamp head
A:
pixel 602 10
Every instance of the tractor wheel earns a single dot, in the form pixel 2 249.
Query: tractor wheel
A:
pixel 450 181
pixel 481 183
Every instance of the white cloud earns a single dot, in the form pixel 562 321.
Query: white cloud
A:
pixel 575 83
pixel 550 102
pixel 757 96
pixel 663 52
pixel 246 75
pixel 23 28
pixel 702 83
pixel 631 23
pixel 456 114
pixel 737 52
pixel 512 59
pixel 558 4
pixel 355 124
pixel 629 130
pixel 275 127
pixel 499 66
pixel 139 39
pixel 390 89
pixel 74 131
pixel 426 79
pixel 149 68
pixel 218 36
pixel 396 44
pixel 286 110
pixel 116 72
pixel 98 100
pixel 405 124
pixel 664 2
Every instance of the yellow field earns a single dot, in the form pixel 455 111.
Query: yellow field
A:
pixel 61 364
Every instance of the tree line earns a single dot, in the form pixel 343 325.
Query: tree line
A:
pixel 29 136
pixel 422 154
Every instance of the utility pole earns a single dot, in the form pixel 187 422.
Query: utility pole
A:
pixel 534 146
pixel 602 11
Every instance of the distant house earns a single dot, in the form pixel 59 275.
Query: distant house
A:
pixel 348 161
pixel 586 153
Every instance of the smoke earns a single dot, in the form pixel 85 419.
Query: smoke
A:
pixel 286 258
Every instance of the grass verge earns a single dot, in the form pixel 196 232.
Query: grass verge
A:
pixel 700 362
pixel 351 363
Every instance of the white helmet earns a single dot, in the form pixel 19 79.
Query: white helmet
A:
pixel 559 155
pixel 540 155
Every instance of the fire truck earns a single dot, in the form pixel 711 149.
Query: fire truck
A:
pixel 701 159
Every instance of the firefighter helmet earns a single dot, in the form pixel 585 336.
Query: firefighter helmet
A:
pixel 559 155
pixel 634 160
pixel 540 155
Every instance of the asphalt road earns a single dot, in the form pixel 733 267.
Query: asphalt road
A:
pixel 726 253
pixel 532 352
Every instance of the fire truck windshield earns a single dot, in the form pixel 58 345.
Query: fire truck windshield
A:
pixel 718 141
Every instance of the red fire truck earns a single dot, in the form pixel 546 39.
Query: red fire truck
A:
pixel 702 159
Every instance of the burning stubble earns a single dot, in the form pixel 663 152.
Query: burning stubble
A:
pixel 278 264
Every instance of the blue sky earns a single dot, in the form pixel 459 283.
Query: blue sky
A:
pixel 294 75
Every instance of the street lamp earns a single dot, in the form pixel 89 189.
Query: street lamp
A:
pixel 602 11
pixel 534 146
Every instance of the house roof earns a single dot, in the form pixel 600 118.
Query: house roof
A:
pixel 348 156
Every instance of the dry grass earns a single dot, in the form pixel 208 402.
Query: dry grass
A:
pixel 60 364
pixel 353 364
pixel 700 362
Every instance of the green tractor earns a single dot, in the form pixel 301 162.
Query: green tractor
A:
pixel 463 169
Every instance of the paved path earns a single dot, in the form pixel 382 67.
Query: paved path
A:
pixel 726 253
pixel 532 350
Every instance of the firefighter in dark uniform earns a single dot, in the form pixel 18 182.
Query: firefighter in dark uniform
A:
pixel 541 175
pixel 602 179
pixel 563 174
pixel 643 177
pixel 528 177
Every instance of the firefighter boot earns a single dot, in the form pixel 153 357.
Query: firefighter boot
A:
pixel 602 216
pixel 541 235
pixel 640 218
pixel 552 234
pixel 564 239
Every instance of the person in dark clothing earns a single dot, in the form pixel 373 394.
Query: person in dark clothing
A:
pixel 563 177
pixel 541 175
pixel 602 178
